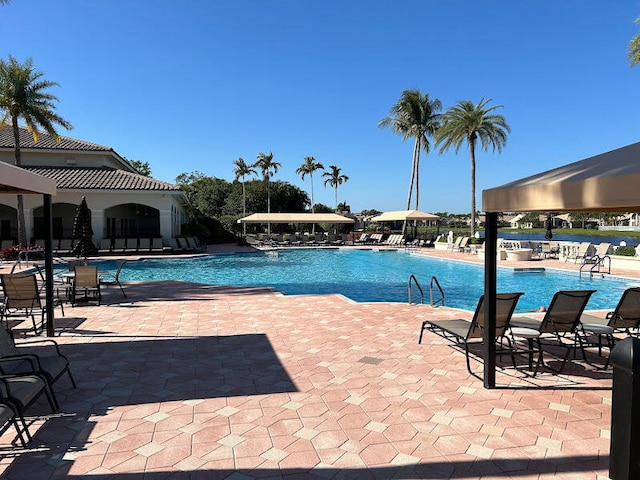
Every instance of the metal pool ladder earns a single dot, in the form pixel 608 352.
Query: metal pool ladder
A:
pixel 434 281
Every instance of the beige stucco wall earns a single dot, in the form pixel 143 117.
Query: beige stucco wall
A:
pixel 168 204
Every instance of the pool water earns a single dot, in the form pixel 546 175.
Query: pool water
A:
pixel 369 276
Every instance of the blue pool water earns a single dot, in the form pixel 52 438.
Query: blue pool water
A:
pixel 368 276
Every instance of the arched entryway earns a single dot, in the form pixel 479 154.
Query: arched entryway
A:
pixel 131 220
pixel 63 215
pixel 8 223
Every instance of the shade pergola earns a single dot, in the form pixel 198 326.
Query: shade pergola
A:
pixel 605 182
pixel 17 181
pixel 296 218
pixel 404 215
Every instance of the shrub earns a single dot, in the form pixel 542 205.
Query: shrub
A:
pixel 626 251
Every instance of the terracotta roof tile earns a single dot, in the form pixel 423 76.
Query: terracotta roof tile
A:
pixel 103 178
pixel 47 142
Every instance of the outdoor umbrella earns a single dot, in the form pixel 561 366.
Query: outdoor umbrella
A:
pixel 82 232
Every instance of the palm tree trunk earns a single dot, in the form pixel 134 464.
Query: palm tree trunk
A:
pixel 244 208
pixel 22 233
pixel 417 166
pixel 336 198
pixel 268 207
pixel 472 153
pixel 313 227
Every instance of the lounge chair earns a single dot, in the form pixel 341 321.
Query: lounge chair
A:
pixel 157 245
pixel 463 245
pixel 624 319
pixel 455 246
pixel 195 244
pixel 598 258
pixel 105 246
pixel 320 239
pixel 106 278
pixel 119 245
pixel 464 332
pixel 364 238
pixel 131 245
pixel 65 246
pixel 34 357
pixel 579 253
pixel 182 244
pixel 550 250
pixel 560 326
pixel 85 283
pixel 144 245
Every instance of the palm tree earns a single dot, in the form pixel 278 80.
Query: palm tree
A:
pixel 242 170
pixel 334 178
pixel 268 167
pixel 414 116
pixel 23 95
pixel 307 168
pixel 466 123
pixel 633 49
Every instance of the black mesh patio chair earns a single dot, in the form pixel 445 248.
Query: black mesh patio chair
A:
pixel 34 357
pixel 560 326
pixel 466 332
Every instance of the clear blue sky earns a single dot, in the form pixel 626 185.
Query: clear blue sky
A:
pixel 194 85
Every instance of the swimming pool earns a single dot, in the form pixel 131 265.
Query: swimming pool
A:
pixel 368 276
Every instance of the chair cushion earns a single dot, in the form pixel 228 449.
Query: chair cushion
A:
pixel 53 366
pixel 598 329
pixel 25 388
pixel 524 332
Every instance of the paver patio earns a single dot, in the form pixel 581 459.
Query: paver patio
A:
pixel 189 381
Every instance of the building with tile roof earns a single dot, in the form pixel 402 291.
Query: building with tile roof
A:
pixel 123 203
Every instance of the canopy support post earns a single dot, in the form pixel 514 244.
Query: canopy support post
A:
pixel 48 263
pixel 490 287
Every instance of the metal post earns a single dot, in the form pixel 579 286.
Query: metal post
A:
pixel 624 462
pixel 490 281
pixel 48 262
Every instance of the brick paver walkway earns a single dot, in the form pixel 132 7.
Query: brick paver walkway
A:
pixel 185 381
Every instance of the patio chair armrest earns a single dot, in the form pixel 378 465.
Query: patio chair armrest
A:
pixel 45 341
pixel 33 360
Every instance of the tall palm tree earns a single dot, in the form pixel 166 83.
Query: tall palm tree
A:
pixel 241 171
pixel 23 96
pixel 633 49
pixel 414 116
pixel 268 167
pixel 334 178
pixel 466 123
pixel 307 168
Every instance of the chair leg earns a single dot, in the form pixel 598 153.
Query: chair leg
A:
pixel 73 382
pixel 424 325
pixel 124 294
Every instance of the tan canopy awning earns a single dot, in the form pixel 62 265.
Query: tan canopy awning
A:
pixel 606 182
pixel 296 218
pixel 404 215
pixel 16 180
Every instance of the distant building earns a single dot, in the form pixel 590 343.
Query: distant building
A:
pixel 123 203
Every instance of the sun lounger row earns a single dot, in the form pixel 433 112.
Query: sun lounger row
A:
pixel 295 240
pixel 131 245
pixel 565 328
pixel 187 244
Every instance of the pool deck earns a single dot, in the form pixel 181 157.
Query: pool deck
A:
pixel 187 381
